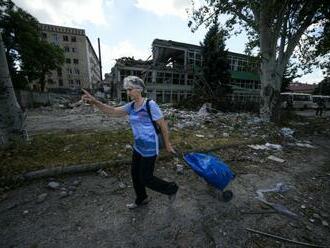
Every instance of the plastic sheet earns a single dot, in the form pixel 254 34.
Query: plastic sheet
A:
pixel 280 188
pixel 213 170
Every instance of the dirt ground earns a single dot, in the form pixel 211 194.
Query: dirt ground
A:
pixel 93 213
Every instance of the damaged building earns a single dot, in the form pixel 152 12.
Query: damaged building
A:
pixel 175 67
pixel 81 67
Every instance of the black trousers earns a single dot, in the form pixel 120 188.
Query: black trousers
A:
pixel 142 176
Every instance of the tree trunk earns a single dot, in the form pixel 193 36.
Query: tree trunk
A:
pixel 270 90
pixel 270 75
pixel 11 114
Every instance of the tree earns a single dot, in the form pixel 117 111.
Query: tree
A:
pixel 215 64
pixel 28 55
pixel 323 87
pixel 278 29
pixel 289 74
pixel 11 115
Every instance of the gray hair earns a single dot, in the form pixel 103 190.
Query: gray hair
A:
pixel 134 82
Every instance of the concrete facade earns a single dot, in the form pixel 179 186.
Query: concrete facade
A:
pixel 81 66
pixel 174 68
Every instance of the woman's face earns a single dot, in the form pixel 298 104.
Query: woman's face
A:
pixel 133 93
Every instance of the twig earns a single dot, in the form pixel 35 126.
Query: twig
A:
pixel 283 239
pixel 258 212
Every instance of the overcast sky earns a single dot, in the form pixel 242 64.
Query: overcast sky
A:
pixel 128 27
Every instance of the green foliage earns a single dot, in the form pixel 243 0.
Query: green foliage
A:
pixel 215 65
pixel 290 73
pixel 278 30
pixel 27 54
pixel 323 88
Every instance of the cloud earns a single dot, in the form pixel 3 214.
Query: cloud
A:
pixel 165 7
pixel 65 12
pixel 121 49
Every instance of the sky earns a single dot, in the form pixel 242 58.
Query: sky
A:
pixel 128 27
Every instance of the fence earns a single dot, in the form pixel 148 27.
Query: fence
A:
pixel 30 99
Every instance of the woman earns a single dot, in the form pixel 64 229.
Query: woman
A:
pixel 146 147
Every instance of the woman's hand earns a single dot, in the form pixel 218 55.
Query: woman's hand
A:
pixel 170 149
pixel 87 97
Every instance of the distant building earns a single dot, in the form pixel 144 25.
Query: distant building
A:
pixel 302 88
pixel 81 67
pixel 175 67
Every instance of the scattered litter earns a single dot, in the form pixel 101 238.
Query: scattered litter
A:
pixel 279 188
pixel 273 146
pixel 258 147
pixel 102 173
pixel 267 146
pixel 325 223
pixel 122 185
pixel 204 110
pixel 305 145
pixel 179 169
pixel 226 135
pixel 128 147
pixel 199 135
pixel 276 159
pixel 53 185
pixel 287 132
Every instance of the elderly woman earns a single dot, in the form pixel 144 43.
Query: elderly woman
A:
pixel 146 145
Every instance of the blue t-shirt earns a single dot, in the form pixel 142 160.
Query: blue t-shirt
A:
pixel 145 137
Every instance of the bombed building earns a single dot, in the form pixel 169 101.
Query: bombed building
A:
pixel 175 67
pixel 81 67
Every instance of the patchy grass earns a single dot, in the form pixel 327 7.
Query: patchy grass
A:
pixel 63 149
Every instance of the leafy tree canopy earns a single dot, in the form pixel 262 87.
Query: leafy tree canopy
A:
pixel 29 57
pixel 215 64
pixel 279 30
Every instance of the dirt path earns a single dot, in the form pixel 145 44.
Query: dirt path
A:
pixel 93 212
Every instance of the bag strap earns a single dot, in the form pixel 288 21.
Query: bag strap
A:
pixel 149 113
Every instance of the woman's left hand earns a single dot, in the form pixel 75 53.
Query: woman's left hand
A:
pixel 170 149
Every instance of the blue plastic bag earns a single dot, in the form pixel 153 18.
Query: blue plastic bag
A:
pixel 212 169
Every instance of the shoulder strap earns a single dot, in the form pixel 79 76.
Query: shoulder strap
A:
pixel 149 113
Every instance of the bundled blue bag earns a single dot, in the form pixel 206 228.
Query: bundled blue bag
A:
pixel 213 170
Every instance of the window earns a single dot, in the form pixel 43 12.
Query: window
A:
pixel 75 61
pixel 59 72
pixel 73 38
pixel 76 71
pixel 66 49
pixel 55 38
pixel 44 35
pixel 78 82
pixel 68 61
pixel 69 70
pixel 65 38
pixel 60 82
pixel 74 50
pixel 175 78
